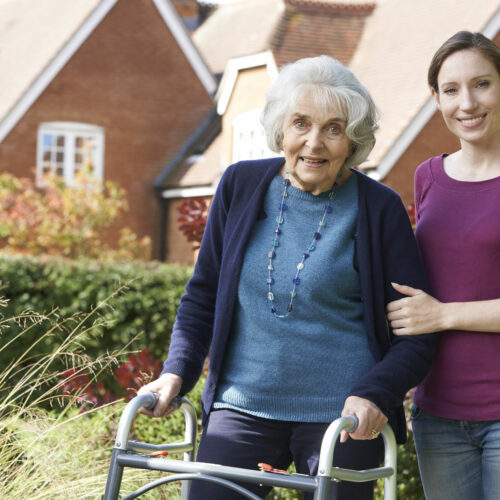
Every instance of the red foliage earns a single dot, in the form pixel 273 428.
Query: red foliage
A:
pixel 140 369
pixel 131 375
pixel 193 219
pixel 89 393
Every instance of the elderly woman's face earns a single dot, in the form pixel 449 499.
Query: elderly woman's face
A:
pixel 315 144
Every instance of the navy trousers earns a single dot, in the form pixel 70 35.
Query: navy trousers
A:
pixel 242 440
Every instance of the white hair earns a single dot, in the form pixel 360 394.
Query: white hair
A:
pixel 332 85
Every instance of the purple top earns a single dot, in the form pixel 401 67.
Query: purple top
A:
pixel 458 232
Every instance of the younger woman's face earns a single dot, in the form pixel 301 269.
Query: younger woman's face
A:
pixel 469 97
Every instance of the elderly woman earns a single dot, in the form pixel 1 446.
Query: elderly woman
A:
pixel 289 293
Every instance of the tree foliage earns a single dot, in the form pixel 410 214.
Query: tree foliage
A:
pixel 48 217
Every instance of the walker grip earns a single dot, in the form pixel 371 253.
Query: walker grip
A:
pixel 153 399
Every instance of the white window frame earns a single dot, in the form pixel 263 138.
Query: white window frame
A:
pixel 71 131
pixel 249 138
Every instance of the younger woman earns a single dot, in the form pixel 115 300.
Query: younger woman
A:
pixel 456 416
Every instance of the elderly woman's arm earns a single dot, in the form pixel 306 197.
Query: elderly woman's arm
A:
pixel 404 360
pixel 419 313
pixel 192 331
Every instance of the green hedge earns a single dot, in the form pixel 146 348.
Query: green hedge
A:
pixel 141 299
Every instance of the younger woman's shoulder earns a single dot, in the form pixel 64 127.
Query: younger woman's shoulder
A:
pixel 426 168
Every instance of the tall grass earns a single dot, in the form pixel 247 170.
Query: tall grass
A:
pixel 49 447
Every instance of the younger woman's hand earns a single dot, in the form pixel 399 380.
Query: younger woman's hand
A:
pixel 415 314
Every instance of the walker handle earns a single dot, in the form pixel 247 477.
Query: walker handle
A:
pixel 153 399
pixel 354 423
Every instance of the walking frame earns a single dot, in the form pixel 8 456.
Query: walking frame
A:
pixel 134 454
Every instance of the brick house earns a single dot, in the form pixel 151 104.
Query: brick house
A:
pixel 247 58
pixel 387 43
pixel 118 80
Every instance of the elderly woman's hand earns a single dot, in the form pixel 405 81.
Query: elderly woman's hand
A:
pixel 167 386
pixel 415 314
pixel 371 419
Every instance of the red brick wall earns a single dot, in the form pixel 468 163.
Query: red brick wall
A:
pixel 131 78
pixel 433 140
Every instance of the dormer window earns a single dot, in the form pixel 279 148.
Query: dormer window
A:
pixel 64 148
pixel 249 139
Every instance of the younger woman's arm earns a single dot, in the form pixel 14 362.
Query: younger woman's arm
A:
pixel 419 313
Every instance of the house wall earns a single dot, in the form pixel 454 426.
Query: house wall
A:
pixel 433 140
pixel 249 93
pixel 131 78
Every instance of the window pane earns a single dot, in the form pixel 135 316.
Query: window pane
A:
pixel 64 152
pixel 86 148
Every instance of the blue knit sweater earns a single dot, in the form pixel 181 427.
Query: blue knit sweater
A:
pixel 385 251
pixel 322 343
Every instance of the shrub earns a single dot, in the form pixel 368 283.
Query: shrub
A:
pixel 143 301
pixel 59 453
pixel 48 217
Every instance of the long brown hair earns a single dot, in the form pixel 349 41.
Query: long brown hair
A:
pixel 461 41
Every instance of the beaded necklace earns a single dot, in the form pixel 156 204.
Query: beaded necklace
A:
pixel 310 248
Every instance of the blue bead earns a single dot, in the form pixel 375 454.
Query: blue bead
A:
pixel 305 255
pixel 271 254
pixel 277 230
pixel 282 206
pixel 317 235
pixel 328 208
pixel 276 243
pixel 273 310
pixel 289 308
pixel 270 281
pixel 286 182
pixel 311 248
pixel 296 281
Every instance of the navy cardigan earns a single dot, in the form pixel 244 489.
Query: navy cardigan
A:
pixel 385 252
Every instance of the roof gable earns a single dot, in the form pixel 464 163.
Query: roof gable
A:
pixel 234 66
pixel 57 28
